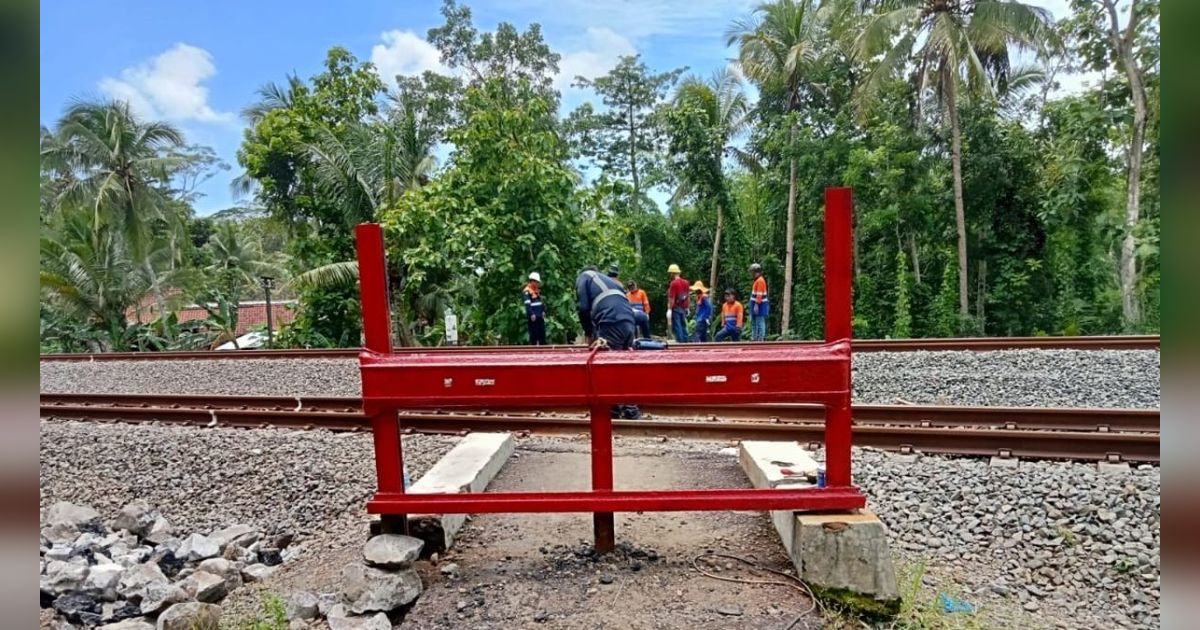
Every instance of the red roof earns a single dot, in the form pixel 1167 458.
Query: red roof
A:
pixel 251 315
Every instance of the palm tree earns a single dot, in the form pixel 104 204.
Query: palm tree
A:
pixel 273 96
pixel 725 112
pixel 90 277
pixel 114 162
pixel 777 48
pixel 957 45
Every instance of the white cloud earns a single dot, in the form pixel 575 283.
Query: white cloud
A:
pixel 597 53
pixel 169 86
pixel 404 52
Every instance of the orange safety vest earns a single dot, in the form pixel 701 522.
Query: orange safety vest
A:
pixel 639 301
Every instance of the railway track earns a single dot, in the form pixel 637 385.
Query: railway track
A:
pixel 1122 342
pixel 1088 434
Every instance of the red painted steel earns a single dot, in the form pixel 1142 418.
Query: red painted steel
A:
pixel 620 501
pixel 802 373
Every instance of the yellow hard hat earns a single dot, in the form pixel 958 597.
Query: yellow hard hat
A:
pixel 699 286
pixel 673 269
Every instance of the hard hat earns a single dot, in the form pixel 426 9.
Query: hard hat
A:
pixel 673 269
pixel 699 286
pixel 755 267
pixel 535 276
pixel 614 270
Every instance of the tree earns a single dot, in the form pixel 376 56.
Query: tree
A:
pixel 625 139
pixel 776 49
pixel 956 45
pixel 1133 49
pixel 706 116
pixel 236 264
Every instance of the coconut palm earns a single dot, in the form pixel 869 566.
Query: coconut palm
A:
pixel 957 45
pixel 115 164
pixel 273 96
pixel 777 49
pixel 726 111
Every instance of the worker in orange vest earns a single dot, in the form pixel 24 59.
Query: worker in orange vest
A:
pixel 731 318
pixel 641 308
pixel 535 311
pixel 759 306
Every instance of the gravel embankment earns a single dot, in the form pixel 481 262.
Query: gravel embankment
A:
pixel 205 479
pixel 1033 378
pixel 1061 540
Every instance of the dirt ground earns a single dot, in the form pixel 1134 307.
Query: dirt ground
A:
pixel 539 570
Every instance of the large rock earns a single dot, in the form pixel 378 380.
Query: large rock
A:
pixel 62 576
pixel 160 596
pixel 225 536
pixel 59 552
pixel 159 531
pixel 198 547
pixel 205 586
pixel 301 605
pixel 190 616
pixel 60 533
pixel 392 551
pixel 78 608
pixel 138 578
pixel 257 572
pixel 229 571
pixel 367 589
pixel 68 513
pixel 102 581
pixel 113 612
pixel 378 621
pixel 135 518
pixel 129 624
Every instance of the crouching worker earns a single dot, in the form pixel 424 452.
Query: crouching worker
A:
pixel 641 309
pixel 607 318
pixel 731 316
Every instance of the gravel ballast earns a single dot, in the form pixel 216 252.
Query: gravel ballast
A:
pixel 202 479
pixel 1021 378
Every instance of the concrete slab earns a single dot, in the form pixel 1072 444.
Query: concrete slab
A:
pixel 1004 462
pixel 469 467
pixel 906 458
pixel 844 557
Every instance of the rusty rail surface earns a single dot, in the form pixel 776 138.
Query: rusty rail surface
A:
pixel 1089 434
pixel 1115 342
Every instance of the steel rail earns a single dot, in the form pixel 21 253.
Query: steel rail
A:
pixel 1112 342
pixel 1088 445
pixel 1060 419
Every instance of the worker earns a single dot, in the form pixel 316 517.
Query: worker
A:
pixel 641 308
pixel 535 311
pixel 759 306
pixel 704 311
pixel 607 319
pixel 614 271
pixel 731 317
pixel 677 303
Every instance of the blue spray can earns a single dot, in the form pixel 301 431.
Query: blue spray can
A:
pixel 821 476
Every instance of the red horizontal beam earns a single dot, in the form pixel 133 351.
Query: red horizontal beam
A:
pixel 818 373
pixel 806 499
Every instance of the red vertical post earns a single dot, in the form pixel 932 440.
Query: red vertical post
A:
pixel 372 283
pixel 604 526
pixel 839 306
pixel 377 335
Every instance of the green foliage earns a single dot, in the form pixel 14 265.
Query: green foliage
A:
pixel 272 615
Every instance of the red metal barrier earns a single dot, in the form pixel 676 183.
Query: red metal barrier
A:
pixel 771 373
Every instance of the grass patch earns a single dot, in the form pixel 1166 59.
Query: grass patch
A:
pixel 920 608
pixel 271 615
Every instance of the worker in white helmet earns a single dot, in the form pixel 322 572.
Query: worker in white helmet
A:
pixel 535 310
pixel 677 302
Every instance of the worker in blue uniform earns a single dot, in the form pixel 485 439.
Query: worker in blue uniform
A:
pixel 607 318
pixel 535 310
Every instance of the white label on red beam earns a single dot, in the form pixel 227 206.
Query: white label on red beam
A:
pixel 485 382
pixel 715 378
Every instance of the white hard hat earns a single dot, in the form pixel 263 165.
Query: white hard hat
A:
pixel 535 276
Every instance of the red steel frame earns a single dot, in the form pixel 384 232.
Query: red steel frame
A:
pixel 598 380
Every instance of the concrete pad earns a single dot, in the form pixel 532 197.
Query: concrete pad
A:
pixel 469 467
pixel 906 458
pixel 1114 468
pixel 844 557
pixel 1004 462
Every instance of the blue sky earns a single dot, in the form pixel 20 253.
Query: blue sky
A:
pixel 197 64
